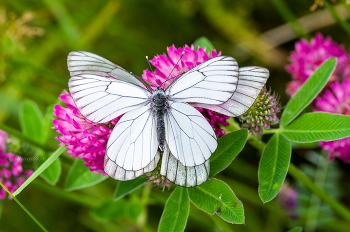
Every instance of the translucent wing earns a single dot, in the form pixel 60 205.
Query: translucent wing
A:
pixel 250 82
pixel 82 62
pixel 212 82
pixel 181 175
pixel 133 143
pixel 119 173
pixel 101 99
pixel 190 137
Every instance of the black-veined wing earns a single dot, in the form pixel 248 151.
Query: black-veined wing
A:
pixel 212 82
pixel 132 146
pixel 190 137
pixel 250 82
pixel 83 62
pixel 101 99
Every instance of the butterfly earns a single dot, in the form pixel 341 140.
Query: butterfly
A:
pixel 161 123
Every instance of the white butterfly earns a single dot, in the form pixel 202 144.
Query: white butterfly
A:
pixel 161 122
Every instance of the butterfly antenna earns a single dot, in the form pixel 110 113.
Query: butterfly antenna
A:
pixel 168 78
pixel 151 68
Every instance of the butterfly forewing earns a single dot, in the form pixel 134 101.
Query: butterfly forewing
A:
pixel 82 62
pixel 212 82
pixel 101 99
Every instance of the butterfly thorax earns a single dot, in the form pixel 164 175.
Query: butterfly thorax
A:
pixel 159 106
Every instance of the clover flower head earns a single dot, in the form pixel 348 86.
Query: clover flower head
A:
pixel 12 174
pixel 308 56
pixel 88 140
pixel 287 198
pixel 263 113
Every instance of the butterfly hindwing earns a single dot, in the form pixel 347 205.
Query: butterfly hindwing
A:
pixel 212 82
pixel 181 175
pixel 251 80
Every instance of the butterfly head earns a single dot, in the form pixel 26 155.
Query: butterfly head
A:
pixel 159 97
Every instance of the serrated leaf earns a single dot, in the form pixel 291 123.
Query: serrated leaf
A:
pixel 215 196
pixel 176 211
pixel 318 126
pixel 296 229
pixel 52 173
pixel 308 92
pixel 30 118
pixel 273 167
pixel 203 42
pixel 229 146
pixel 80 177
pixel 126 187
pixel 42 168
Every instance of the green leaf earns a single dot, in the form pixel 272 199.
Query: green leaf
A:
pixel 47 124
pixel 296 229
pixel 122 208
pixel 30 118
pixel 318 126
pixel 307 93
pixel 273 166
pixel 215 196
pixel 80 177
pixel 0 208
pixel 176 211
pixel 203 42
pixel 126 187
pixel 228 148
pixel 46 164
pixel 109 209
pixel 52 173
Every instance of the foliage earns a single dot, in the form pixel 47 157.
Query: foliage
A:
pixel 35 69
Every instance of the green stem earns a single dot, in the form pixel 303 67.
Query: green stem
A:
pixel 302 178
pixel 42 168
pixel 344 24
pixel 73 197
pixel 312 187
pixel 315 202
pixel 24 138
pixel 289 17
pixel 24 208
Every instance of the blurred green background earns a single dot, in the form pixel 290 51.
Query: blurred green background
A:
pixel 36 37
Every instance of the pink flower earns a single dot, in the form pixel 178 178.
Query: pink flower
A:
pixel 87 140
pixel 11 172
pixel 3 137
pixel 83 139
pixel 164 65
pixel 307 57
pixel 336 100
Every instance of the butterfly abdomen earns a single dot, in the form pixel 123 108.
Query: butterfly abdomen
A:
pixel 159 105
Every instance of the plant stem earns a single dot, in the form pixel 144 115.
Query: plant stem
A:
pixel 315 202
pixel 42 168
pixel 344 24
pixel 312 187
pixel 24 138
pixel 24 208
pixel 289 17
pixel 73 197
pixel 302 178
